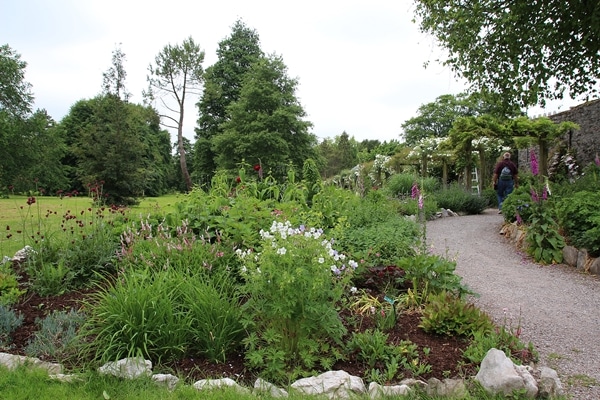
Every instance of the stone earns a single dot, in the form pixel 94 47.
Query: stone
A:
pixel 549 384
pixel 168 380
pixel 570 255
pixel 264 387
pixel 377 391
pixel 12 361
pixel 66 378
pixel 332 384
pixel 582 256
pixel 219 383
pixel 128 368
pixel 454 388
pixel 498 374
pixel 595 267
pixel 21 255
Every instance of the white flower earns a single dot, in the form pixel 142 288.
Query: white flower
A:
pixel 353 290
pixel 244 269
pixel 281 250
pixel 321 260
pixel 353 264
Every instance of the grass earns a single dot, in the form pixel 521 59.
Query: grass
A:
pixel 16 215
pixel 23 383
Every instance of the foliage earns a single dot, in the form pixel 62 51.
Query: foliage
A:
pixel 544 241
pixel 265 123
pixel 8 323
pixel 448 314
pixel 222 84
pixel 312 179
pixel 518 202
pixel 293 286
pixel 137 316
pixel 428 275
pixel 400 185
pixel 176 74
pixel 589 181
pixel 579 219
pixel 56 339
pixel 15 94
pixel 485 41
pixel 9 285
pixel 459 200
pixel 505 338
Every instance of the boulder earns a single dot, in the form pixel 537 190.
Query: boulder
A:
pixel 128 368
pixel 332 384
pixel 498 374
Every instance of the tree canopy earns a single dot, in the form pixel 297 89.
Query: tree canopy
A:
pixel 15 92
pixel 522 51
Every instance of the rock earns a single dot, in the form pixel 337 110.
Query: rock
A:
pixel 263 387
pixel 66 378
pixel 377 391
pixel 498 374
pixel 582 256
pixel 550 386
pixel 21 255
pixel 168 380
pixel 333 384
pixel 128 368
pixel 595 267
pixel 219 383
pixel 454 388
pixel 570 255
pixel 12 361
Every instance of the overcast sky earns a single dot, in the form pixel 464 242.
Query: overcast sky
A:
pixel 359 63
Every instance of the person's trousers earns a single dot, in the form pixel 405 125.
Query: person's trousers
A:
pixel 505 187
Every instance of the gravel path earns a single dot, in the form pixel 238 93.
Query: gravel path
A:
pixel 559 308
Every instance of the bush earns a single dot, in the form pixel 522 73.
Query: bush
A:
pixel 519 201
pixel 57 337
pixel 447 314
pixel 400 185
pixel 8 323
pixel 579 217
pixel 459 200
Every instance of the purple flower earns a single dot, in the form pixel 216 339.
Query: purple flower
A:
pixel 534 164
pixel 415 191
pixel 534 196
pixel 545 193
pixel 519 219
pixel 420 201
pixel 597 160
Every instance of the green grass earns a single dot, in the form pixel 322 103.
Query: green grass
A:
pixel 16 215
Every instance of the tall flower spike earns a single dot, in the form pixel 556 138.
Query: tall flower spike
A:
pixel 534 164
pixel 414 191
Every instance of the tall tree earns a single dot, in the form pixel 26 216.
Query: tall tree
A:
pixel 266 122
pixel 222 86
pixel 113 80
pixel 177 72
pixel 524 51
pixel 15 93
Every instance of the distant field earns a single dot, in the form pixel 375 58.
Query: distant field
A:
pixel 46 215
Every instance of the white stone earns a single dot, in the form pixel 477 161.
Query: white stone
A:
pixel 264 387
pixel 128 368
pixel 12 361
pixel 168 380
pixel 333 384
pixel 549 384
pixel 219 383
pixel 453 388
pixel 377 391
pixel 498 374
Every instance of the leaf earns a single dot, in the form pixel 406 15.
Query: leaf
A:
pixel 105 395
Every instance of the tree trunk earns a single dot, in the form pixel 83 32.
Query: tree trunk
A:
pixel 182 160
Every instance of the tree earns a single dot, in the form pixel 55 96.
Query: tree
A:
pixel 177 72
pixel 222 86
pixel 15 93
pixel 523 52
pixel 113 80
pixel 265 124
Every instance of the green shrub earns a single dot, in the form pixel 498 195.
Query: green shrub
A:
pixel 447 314
pixel 9 285
pixel 579 217
pixel 459 200
pixel 519 201
pixel 400 185
pixel 56 339
pixel 8 323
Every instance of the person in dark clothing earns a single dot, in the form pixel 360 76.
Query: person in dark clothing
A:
pixel 504 179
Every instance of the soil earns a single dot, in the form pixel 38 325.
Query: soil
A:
pixel 444 357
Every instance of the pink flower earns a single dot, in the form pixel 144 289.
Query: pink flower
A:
pixel 415 191
pixel 534 196
pixel 534 164
pixel 597 160
pixel 420 201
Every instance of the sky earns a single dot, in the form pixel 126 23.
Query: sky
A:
pixel 359 64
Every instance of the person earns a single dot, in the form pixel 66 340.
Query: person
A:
pixel 504 179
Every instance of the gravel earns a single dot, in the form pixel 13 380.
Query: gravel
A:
pixel 557 307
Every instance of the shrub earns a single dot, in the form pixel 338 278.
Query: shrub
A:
pixel 400 185
pixel 9 285
pixel 8 323
pixel 447 314
pixel 519 201
pixel 579 217
pixel 458 199
pixel 57 337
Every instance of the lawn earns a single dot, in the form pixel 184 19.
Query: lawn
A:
pixel 21 219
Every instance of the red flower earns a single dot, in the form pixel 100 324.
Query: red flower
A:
pixel 257 167
pixel 238 179
pixel 30 200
